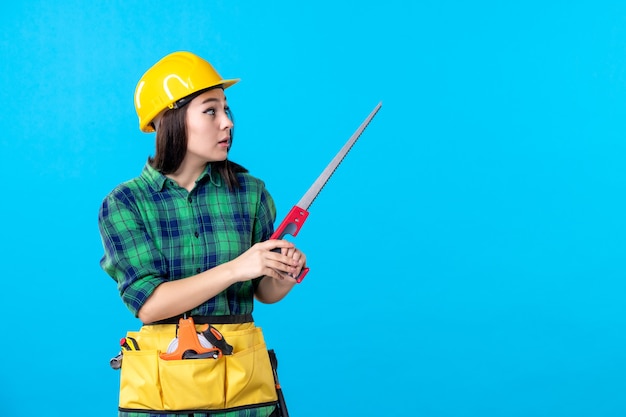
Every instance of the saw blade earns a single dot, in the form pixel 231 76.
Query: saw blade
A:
pixel 312 193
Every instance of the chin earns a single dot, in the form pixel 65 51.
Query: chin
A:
pixel 218 159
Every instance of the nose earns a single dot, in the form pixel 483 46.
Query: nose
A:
pixel 227 120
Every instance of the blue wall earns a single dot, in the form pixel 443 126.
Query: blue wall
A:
pixel 467 259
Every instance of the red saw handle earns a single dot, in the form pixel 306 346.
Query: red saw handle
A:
pixel 291 225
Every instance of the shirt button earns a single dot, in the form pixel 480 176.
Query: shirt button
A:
pixel 189 199
pixel 198 270
pixel 196 234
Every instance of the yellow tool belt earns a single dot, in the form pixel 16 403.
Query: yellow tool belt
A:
pixel 241 380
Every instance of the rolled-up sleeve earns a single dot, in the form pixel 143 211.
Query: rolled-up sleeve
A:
pixel 263 223
pixel 265 217
pixel 130 256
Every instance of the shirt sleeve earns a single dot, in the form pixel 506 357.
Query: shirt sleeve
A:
pixel 265 217
pixel 130 256
pixel 263 223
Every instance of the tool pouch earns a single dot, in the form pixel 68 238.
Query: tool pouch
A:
pixel 241 380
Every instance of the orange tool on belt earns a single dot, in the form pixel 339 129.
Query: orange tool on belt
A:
pixel 217 339
pixel 189 346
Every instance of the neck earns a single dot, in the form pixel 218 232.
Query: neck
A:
pixel 186 176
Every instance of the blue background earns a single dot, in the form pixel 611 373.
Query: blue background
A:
pixel 466 258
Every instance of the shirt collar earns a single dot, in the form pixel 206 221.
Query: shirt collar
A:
pixel 157 181
pixel 154 178
pixel 208 174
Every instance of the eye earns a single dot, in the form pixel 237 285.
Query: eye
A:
pixel 229 113
pixel 210 111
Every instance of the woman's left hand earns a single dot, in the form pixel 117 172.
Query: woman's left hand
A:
pixel 273 288
pixel 298 256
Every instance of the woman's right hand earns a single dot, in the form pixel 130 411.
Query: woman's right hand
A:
pixel 259 261
pixel 175 297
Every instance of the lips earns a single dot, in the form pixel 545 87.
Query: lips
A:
pixel 224 142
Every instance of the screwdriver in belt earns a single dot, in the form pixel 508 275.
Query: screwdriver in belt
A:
pixel 116 362
pixel 133 345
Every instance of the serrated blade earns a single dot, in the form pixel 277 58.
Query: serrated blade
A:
pixel 296 217
pixel 312 193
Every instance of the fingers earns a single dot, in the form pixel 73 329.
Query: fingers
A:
pixel 282 259
pixel 276 244
pixel 298 258
pixel 284 249
pixel 275 252
pixel 280 276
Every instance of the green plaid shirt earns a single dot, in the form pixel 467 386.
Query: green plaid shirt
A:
pixel 155 231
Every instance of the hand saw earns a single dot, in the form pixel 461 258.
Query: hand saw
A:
pixel 296 217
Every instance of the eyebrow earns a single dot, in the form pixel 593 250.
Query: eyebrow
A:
pixel 213 99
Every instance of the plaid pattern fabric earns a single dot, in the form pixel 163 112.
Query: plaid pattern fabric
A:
pixel 155 231
pixel 251 412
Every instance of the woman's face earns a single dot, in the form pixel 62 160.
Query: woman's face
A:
pixel 208 127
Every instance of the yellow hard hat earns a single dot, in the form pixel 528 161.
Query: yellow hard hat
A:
pixel 174 77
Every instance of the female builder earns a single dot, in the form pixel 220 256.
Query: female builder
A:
pixel 189 237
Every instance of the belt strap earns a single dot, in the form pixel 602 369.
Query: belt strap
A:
pixel 230 319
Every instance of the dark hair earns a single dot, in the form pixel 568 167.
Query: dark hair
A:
pixel 171 147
